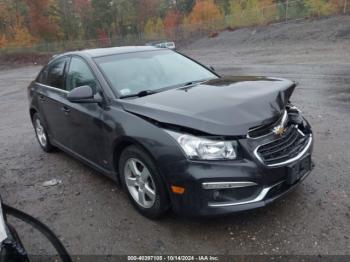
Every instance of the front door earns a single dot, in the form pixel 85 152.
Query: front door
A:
pixel 87 129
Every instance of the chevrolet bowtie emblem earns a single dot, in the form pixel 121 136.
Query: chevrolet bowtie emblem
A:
pixel 279 130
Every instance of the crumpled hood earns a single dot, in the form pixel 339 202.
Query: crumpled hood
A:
pixel 226 106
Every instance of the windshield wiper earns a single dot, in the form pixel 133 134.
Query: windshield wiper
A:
pixel 140 94
pixel 193 83
pixel 151 92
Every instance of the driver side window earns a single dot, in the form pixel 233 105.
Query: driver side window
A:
pixel 79 74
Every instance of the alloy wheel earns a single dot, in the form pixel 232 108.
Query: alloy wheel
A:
pixel 40 133
pixel 140 183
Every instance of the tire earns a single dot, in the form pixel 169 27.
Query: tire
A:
pixel 140 177
pixel 41 134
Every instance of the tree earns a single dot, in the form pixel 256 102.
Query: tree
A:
pixel 12 13
pixel 172 18
pixel 149 28
pixel 146 9
pixel 126 16
pixel 83 11
pixel 22 37
pixel 205 12
pixel 159 26
pixel 68 21
pixel 103 16
pixel 184 6
pixel 236 12
pixel 103 38
pixel 251 12
pixel 39 20
pixel 224 6
pixel 154 28
pixel 3 41
pixel 320 7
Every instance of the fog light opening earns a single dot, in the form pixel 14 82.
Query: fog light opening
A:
pixel 216 194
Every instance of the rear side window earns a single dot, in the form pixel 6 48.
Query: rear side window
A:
pixel 42 77
pixel 55 74
pixel 79 74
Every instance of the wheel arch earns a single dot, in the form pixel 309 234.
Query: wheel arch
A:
pixel 124 142
pixel 32 111
pixel 119 146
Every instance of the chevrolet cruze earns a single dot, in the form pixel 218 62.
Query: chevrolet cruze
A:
pixel 174 133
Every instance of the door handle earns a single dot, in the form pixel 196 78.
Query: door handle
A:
pixel 65 109
pixel 42 98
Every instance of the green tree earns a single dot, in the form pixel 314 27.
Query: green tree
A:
pixel 63 12
pixel 104 15
pixel 12 13
pixel 224 6
pixel 184 6
pixel 149 28
pixel 236 12
pixel 83 12
pixel 154 28
pixel 126 16
pixel 251 12
pixel 320 7
pixel 22 37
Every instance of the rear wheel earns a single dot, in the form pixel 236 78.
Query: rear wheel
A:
pixel 41 134
pixel 142 182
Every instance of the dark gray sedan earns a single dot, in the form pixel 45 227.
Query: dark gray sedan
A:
pixel 171 131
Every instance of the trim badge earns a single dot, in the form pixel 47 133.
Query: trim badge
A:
pixel 279 130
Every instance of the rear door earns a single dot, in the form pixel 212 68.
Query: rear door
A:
pixel 52 95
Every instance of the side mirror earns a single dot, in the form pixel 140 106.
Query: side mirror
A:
pixel 83 94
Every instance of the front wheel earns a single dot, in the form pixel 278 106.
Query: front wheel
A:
pixel 142 182
pixel 41 134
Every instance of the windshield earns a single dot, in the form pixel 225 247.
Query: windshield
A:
pixel 132 73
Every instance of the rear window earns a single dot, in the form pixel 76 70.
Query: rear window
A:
pixel 54 74
pixel 42 77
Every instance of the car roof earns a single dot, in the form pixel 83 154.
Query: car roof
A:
pixel 113 51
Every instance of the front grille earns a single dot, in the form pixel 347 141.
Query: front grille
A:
pixel 284 148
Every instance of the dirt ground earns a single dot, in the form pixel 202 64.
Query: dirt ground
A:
pixel 92 215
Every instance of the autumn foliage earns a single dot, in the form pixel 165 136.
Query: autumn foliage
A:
pixel 41 26
pixel 3 41
pixel 205 11
pixel 22 37
pixel 25 23
pixel 171 21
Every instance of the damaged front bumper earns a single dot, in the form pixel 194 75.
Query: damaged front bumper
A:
pixel 264 187
pixel 269 168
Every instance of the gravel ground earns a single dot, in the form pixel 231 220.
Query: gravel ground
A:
pixel 93 216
